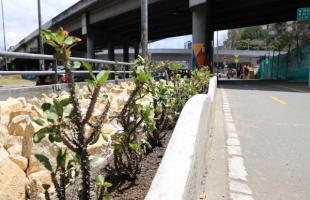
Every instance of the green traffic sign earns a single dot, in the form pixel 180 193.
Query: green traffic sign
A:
pixel 236 61
pixel 303 14
pixel 237 55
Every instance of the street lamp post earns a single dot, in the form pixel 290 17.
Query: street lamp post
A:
pixel 217 54
pixel 4 39
pixel 144 29
pixel 40 40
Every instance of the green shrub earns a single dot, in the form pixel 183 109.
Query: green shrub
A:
pixel 70 128
pixel 129 144
pixel 143 126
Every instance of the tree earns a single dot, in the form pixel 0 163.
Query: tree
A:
pixel 252 38
pixel 232 36
pixel 280 37
pixel 283 36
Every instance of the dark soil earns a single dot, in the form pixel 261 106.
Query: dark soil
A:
pixel 124 189
pixel 137 190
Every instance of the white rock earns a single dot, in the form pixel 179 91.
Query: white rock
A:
pixel 12 180
pixel 16 149
pixel 18 125
pixel 6 107
pixel 8 140
pixel 34 187
pixel 22 100
pixel 20 161
pixel 34 101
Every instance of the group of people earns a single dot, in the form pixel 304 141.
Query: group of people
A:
pixel 244 72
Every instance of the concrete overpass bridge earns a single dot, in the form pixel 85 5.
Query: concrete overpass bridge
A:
pixel 252 57
pixel 110 24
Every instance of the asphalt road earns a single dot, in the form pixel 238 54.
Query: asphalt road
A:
pixel 267 133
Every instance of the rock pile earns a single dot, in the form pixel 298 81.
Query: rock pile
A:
pixel 20 171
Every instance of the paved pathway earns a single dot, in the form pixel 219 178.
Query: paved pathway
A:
pixel 266 137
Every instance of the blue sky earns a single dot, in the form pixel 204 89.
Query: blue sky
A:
pixel 21 19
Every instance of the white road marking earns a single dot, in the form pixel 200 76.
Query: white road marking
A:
pixel 236 168
pixel 235 196
pixel 233 142
pixel 229 118
pixel 237 186
pixel 239 189
pixel 232 135
pixel 230 127
pixel 234 150
pixel 227 115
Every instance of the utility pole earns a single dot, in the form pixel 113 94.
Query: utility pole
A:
pixel 144 29
pixel 40 40
pixel 217 53
pixel 4 39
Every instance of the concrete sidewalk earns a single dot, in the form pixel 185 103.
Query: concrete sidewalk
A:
pixel 215 185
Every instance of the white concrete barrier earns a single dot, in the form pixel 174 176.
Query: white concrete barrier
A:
pixel 212 87
pixel 180 172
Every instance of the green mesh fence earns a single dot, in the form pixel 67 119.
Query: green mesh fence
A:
pixel 293 66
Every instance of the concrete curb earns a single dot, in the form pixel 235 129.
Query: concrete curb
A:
pixel 180 172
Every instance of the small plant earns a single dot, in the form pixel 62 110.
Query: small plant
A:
pixel 185 88
pixel 200 80
pixel 129 143
pixel 46 193
pixel 162 95
pixel 60 175
pixel 70 127
pixel 102 188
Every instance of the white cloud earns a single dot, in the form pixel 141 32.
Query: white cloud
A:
pixel 171 43
pixel 21 17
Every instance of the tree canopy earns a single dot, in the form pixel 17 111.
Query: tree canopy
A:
pixel 279 36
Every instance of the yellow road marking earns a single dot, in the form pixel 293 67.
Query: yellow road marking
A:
pixel 278 100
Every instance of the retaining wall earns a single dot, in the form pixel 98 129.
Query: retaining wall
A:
pixel 181 170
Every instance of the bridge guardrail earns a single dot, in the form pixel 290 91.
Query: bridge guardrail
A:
pixel 57 72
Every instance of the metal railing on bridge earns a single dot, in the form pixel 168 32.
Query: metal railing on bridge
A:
pixel 55 71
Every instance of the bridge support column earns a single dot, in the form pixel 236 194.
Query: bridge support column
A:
pixel 90 45
pixel 111 55
pixel 202 36
pixel 137 49
pixel 126 58
pixel 88 32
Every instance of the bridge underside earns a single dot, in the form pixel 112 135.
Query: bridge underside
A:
pixel 167 18
pixel 174 18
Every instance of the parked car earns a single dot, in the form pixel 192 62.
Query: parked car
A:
pixel 49 79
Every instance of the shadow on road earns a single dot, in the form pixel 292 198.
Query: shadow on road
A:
pixel 279 86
